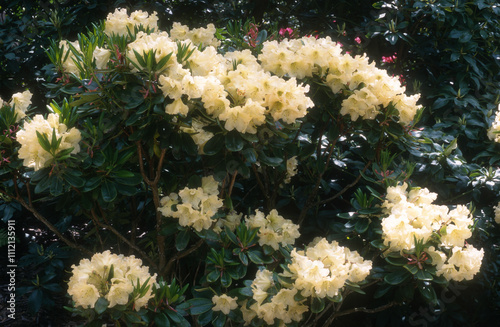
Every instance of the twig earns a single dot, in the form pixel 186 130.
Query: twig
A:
pixel 153 184
pixel 123 238
pixel 180 255
pixel 364 310
pixel 47 223
pixel 344 189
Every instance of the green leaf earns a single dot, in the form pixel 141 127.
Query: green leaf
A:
pixel 35 300
pixel 182 240
pixel 162 320
pixel 317 304
pixel 220 320
pixel 73 180
pixel 362 225
pixel 379 244
pixel 411 268
pixel 43 184
pixel 234 142
pixel 226 279
pixel 213 276
pixel 396 277
pixel 250 155
pixel 243 258
pixel 214 145
pixel 101 305
pixel 108 191
pixel 256 257
pixel 43 141
pixel 56 185
pixel 396 261
pixel 424 275
pixel 269 161
pixel 428 292
pixel 200 305
pixel 205 318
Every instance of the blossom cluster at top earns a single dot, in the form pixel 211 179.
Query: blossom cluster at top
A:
pixel 371 87
pixel 34 155
pixel 111 276
pixel 412 215
pixel 243 91
pixel 120 23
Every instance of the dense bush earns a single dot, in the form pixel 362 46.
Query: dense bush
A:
pixel 133 135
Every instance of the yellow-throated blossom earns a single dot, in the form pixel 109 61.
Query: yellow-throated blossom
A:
pixel 371 88
pixel 21 101
pixel 119 22
pixel 412 215
pixel 324 267
pixel 31 151
pixel 194 207
pixel 224 303
pixel 274 230
pixel 112 277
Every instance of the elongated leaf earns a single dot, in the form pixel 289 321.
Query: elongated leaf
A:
pixel 397 277
pixel 182 240
pixel 200 305
pixel 234 142
pixel 108 191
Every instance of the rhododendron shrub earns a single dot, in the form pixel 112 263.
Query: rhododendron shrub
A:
pixel 228 177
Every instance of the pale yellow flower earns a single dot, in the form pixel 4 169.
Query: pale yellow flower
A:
pixel 21 101
pixel 224 303
pixel 32 153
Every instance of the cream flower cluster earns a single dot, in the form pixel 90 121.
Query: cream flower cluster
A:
pixel 463 263
pixel 224 303
pixel 412 215
pixel 194 207
pixel 119 22
pixel 322 270
pixel 231 221
pixel 273 229
pixel 113 277
pixel 241 97
pixel 32 152
pixel 100 57
pixel 324 267
pixel 281 306
pixel 199 36
pixel 369 87
pixel 494 130
pixel 160 42
pixel 20 101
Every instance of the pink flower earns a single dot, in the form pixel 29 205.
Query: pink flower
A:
pixel 389 59
pixel 357 39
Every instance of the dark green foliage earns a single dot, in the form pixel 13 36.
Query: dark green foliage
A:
pixel 446 50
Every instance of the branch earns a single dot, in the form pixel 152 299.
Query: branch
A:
pixel 123 238
pixel 180 255
pixel 47 223
pixel 153 184
pixel 365 310
pixel 344 189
